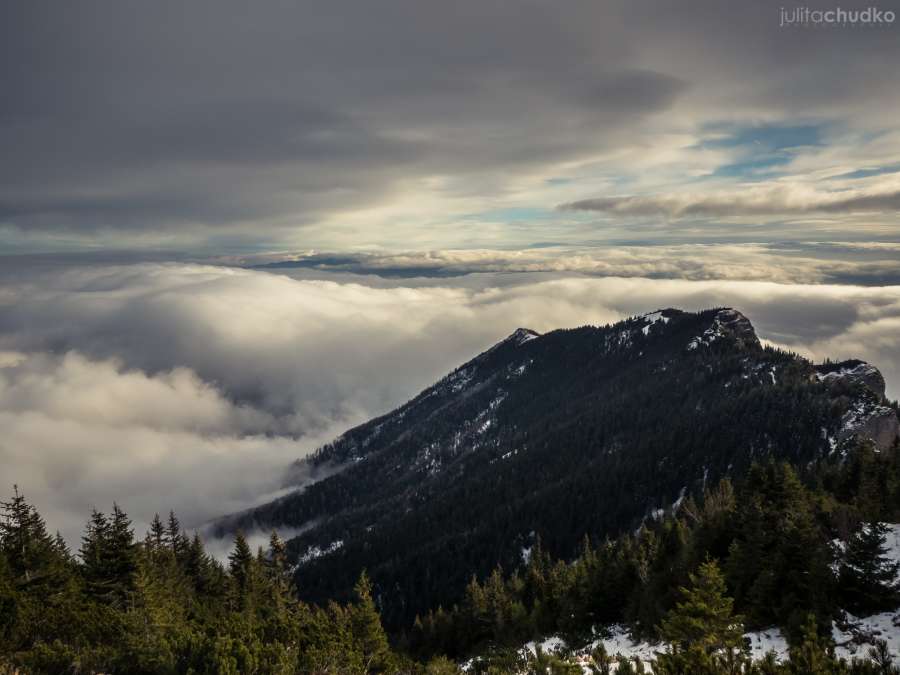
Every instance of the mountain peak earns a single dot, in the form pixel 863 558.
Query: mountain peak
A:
pixel 622 420
pixel 726 321
pixel 522 335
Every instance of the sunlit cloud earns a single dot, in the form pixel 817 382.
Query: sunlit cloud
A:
pixel 194 387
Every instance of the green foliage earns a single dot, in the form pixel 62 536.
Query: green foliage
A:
pixel 702 630
pixel 165 606
pixel 771 533
pixel 756 552
pixel 868 578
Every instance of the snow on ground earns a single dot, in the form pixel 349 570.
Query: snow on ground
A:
pixel 853 637
pixel 764 641
pixel 552 644
pixel 858 634
pixel 861 634
pixel 892 542
pixel 620 642
pixel 315 552
pixel 860 370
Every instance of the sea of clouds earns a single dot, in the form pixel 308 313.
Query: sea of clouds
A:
pixel 193 387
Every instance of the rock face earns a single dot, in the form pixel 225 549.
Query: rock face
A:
pixel 728 323
pixel 881 427
pixel 739 326
pixel 851 372
pixel 868 415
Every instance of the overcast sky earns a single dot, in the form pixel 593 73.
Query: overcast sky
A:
pixel 429 176
pixel 288 125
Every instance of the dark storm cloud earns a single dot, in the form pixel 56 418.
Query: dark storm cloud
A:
pixel 127 115
pixel 193 117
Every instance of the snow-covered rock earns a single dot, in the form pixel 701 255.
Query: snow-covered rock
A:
pixel 851 372
pixel 728 322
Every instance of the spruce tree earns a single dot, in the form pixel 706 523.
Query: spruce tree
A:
pixel 867 576
pixel 157 533
pixel 278 571
pixel 198 566
pixel 240 566
pixel 110 557
pixel 94 543
pixel 175 537
pixel 122 553
pixel 368 633
pixel 704 634
pixel 29 550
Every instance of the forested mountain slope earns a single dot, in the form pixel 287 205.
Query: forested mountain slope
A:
pixel 587 431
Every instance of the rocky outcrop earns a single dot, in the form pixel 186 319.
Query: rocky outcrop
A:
pixel 878 423
pixel 727 322
pixel 848 373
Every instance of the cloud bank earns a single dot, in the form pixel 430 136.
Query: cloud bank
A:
pixel 857 262
pixel 193 387
pixel 752 201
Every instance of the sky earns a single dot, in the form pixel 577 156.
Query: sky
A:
pixel 230 230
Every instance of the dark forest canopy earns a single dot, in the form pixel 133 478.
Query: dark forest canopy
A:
pixel 161 604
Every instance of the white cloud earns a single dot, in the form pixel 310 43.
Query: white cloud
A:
pixel 193 387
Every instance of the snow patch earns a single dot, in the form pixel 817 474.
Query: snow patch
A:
pixel 861 370
pixel 651 319
pixel 314 552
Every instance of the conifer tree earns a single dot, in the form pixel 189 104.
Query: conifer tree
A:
pixel 93 552
pixel 812 655
pixel 240 565
pixel 704 633
pixel 277 570
pixel 121 553
pixel 175 537
pixel 110 556
pixel 868 578
pixel 198 566
pixel 368 632
pixel 24 540
pixel 157 533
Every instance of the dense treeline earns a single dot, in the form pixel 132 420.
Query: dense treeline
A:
pixel 163 605
pixel 756 554
pixel 771 536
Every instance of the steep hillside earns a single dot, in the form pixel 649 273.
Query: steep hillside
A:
pixel 575 432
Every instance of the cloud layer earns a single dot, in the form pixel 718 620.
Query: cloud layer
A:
pixel 752 201
pixel 193 387
pixel 219 126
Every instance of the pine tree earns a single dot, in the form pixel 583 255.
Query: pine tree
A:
pixel 157 533
pixel 198 566
pixel 122 553
pixel 812 655
pixel 29 550
pixel 110 557
pixel 240 566
pixel 175 537
pixel 704 633
pixel 368 633
pixel 93 546
pixel 867 577
pixel 277 570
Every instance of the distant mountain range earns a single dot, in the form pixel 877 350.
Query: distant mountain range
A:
pixel 587 431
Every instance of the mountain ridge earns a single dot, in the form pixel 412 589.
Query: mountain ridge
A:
pixel 575 432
